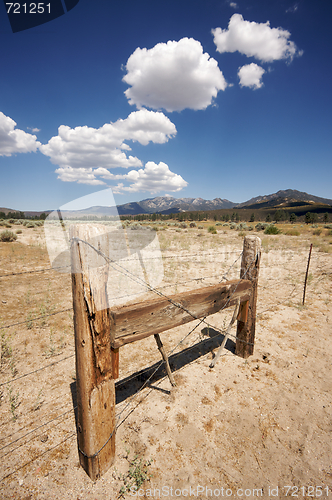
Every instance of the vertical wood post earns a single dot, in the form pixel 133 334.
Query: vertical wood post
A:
pixel 245 336
pixel 94 372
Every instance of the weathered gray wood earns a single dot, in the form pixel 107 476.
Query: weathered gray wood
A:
pixel 165 358
pixel 94 375
pixel 135 322
pixel 247 320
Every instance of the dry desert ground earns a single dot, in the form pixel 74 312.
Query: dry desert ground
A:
pixel 256 427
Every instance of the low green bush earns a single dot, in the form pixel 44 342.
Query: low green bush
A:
pixel 293 232
pixel 7 236
pixel 135 226
pixel 242 227
pixel 212 230
pixel 261 226
pixel 272 230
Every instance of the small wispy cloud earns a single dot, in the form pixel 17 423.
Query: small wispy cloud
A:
pixel 293 8
pixel 35 130
pixel 234 5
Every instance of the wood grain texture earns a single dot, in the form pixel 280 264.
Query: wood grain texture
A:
pixel 94 380
pixel 246 325
pixel 135 322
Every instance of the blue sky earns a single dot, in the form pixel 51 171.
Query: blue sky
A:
pixel 186 98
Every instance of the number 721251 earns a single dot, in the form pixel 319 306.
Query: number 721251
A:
pixel 28 8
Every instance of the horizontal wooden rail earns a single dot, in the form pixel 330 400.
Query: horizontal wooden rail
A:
pixel 134 322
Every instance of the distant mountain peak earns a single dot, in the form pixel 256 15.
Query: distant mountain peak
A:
pixel 284 196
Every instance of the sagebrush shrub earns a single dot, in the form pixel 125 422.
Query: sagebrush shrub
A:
pixel 272 230
pixel 261 226
pixel 7 236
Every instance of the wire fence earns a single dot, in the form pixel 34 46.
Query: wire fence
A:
pixel 11 443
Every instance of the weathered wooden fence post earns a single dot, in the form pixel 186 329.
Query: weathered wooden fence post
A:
pixel 245 336
pixel 94 370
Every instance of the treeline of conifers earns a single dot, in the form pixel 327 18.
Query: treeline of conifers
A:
pixel 279 215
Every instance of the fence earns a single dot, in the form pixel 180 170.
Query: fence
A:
pixel 100 332
pixel 21 440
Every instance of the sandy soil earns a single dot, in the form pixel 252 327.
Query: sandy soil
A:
pixel 247 428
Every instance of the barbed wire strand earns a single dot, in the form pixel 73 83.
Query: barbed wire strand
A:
pixel 32 271
pixel 39 456
pixel 38 370
pixel 34 430
pixel 31 422
pixel 177 256
pixel 36 319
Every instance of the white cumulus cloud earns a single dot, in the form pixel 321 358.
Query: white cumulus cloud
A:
pixel 251 76
pixel 153 178
pixel 253 39
pixel 14 140
pixel 79 175
pixel 173 76
pixel 89 148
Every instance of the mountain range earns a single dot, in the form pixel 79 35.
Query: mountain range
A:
pixel 169 204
